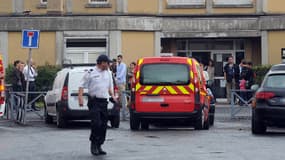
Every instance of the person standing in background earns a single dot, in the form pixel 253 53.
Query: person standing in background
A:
pixel 231 75
pixel 121 76
pixel 30 76
pixel 131 74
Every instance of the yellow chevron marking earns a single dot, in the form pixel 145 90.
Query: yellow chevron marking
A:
pixel 157 90
pixel 138 86
pixel 143 93
pixel 140 61
pixel 171 90
pixel 192 74
pixel 182 89
pixel 189 61
pixel 191 86
pixel 147 88
pixel 138 75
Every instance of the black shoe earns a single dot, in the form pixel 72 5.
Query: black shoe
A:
pixel 101 150
pixel 94 149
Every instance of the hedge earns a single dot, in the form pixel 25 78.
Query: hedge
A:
pixel 46 75
pixel 260 72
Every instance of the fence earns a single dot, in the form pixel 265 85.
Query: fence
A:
pixel 244 102
pixel 16 110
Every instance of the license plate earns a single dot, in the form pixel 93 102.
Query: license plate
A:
pixel 152 99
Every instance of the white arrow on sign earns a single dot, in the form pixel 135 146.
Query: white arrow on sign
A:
pixel 30 35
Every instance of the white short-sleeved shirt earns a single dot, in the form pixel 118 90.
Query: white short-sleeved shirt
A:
pixel 98 82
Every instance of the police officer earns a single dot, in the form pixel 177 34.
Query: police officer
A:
pixel 99 83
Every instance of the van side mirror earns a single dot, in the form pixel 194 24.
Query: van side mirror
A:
pixel 254 87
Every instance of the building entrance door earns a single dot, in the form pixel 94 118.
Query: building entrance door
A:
pixel 220 59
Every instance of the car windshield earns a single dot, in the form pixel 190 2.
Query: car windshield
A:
pixel 275 81
pixel 165 74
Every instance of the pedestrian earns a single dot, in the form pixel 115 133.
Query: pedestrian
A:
pixel 18 80
pixel 211 72
pixel 121 76
pixel 231 75
pixel 242 86
pixel 30 76
pixel 113 67
pixel 99 83
pixel 131 71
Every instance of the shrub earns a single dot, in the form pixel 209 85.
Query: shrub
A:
pixel 260 72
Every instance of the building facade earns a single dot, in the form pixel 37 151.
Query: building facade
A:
pixel 80 30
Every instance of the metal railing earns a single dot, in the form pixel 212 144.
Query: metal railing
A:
pixel 16 110
pixel 238 102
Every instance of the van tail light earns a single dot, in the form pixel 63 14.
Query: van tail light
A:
pixel 264 95
pixel 2 92
pixel 196 94
pixel 64 93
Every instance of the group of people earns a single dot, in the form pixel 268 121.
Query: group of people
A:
pixel 123 77
pixel 239 77
pixel 21 75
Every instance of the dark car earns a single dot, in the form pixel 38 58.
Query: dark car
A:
pixel 269 102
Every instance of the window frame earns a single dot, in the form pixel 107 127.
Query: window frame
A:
pixel 233 3
pixel 98 2
pixel 174 4
pixel 42 2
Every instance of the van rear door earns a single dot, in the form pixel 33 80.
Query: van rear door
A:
pixel 75 78
pixel 164 87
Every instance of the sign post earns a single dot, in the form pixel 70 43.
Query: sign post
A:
pixel 30 39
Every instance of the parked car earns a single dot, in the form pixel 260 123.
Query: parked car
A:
pixel 169 88
pixel 269 101
pixel 61 102
pixel 2 88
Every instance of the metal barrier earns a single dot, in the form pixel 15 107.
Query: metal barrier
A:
pixel 236 95
pixel 16 109
pixel 124 100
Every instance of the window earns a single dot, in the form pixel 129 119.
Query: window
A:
pixel 238 3
pixel 98 4
pixel 186 2
pixel 43 1
pixel 275 81
pixel 98 1
pixel 165 74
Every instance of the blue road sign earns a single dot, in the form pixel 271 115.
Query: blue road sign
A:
pixel 30 38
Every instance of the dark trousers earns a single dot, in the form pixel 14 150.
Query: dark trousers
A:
pixel 32 88
pixel 99 118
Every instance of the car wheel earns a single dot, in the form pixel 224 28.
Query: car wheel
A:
pixel 257 125
pixel 199 124
pixel 60 121
pixel 115 121
pixel 212 115
pixel 144 125
pixel 48 118
pixel 134 122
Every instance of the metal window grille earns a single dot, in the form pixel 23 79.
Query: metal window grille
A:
pixel 233 2
pixel 98 1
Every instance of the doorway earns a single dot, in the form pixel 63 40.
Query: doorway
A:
pixel 220 59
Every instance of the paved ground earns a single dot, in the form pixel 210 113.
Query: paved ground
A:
pixel 228 139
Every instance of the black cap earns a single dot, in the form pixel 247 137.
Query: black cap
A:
pixel 103 58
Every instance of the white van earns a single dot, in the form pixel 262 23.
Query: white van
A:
pixel 61 102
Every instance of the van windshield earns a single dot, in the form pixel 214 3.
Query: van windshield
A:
pixel 165 74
